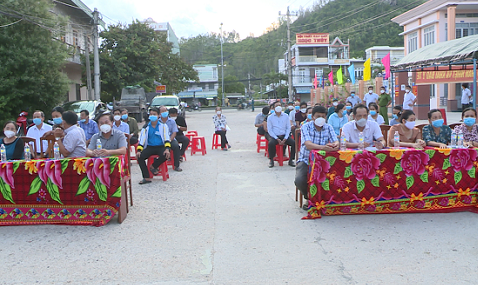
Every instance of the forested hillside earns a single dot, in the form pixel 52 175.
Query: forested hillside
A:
pixel 365 23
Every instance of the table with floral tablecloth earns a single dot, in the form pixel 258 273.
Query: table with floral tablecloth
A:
pixel 392 181
pixel 76 191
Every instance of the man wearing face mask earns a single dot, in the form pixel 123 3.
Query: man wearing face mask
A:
pixel 370 97
pixel 370 129
pixel 153 140
pixel 292 113
pixel 331 110
pixel 279 128
pixel 290 107
pixel 182 127
pixel 89 126
pixel 133 126
pixel 314 135
pixel 113 142
pixel 353 99
pixel 220 124
pixel 38 130
pixel 409 100
pixel 118 123
pixel 258 123
pixel 301 115
pixel 384 101
pixel 72 141
pixel 173 130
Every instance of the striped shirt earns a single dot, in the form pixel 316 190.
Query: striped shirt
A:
pixel 308 132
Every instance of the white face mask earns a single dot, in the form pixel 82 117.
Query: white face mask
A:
pixel 105 128
pixel 278 109
pixel 407 91
pixel 218 112
pixel 362 122
pixel 291 107
pixel 303 110
pixel 8 133
pixel 382 91
pixel 320 122
pixel 174 118
pixel 117 117
pixel 370 91
pixel 335 103
pixel 410 125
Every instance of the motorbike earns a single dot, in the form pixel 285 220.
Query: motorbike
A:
pixel 23 123
pixel 194 107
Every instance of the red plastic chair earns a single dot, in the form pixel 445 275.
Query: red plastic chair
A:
pixel 198 144
pixel 261 143
pixel 280 157
pixel 163 168
pixel 215 141
pixel 195 133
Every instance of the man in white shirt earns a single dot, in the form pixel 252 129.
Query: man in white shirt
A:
pixel 38 130
pixel 370 96
pixel 409 100
pixel 466 98
pixel 278 126
pixel 292 113
pixel 370 129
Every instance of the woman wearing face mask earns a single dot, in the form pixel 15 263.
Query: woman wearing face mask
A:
pixel 410 136
pixel 350 114
pixel 56 117
pixel 220 124
pixel 468 128
pixel 436 133
pixel 338 119
pixel 13 144
pixel 301 115
pixel 309 116
pixel 332 108
pixel 396 113
pixel 374 116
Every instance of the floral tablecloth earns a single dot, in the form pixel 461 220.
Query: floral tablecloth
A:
pixel 77 191
pixel 392 181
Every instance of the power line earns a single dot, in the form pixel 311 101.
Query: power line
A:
pixel 4 26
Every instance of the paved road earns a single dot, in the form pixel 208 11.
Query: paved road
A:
pixel 229 219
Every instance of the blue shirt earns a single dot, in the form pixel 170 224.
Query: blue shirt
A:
pixel 90 128
pixel 278 125
pixel 308 132
pixel 122 127
pixel 337 123
pixel 154 138
pixel 354 100
pixel 173 128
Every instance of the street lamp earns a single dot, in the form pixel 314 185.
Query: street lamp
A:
pixel 222 70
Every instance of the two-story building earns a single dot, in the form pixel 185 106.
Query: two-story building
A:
pixel 204 91
pixel 168 30
pixel 433 22
pixel 377 53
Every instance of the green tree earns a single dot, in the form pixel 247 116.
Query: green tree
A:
pixel 31 58
pixel 275 79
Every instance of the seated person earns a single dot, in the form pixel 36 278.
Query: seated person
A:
pixel 301 115
pixel 278 126
pixel 113 142
pixel 354 99
pixel 173 130
pixel 335 103
pixel 220 125
pixel 38 130
pixel 291 113
pixel 118 123
pixel 314 135
pixel 309 116
pixel 349 108
pixel 338 119
pixel 410 136
pixel 396 113
pixel 371 130
pixel 89 126
pixel 133 126
pixel 71 139
pixel 14 145
pixel 436 133
pixel 260 119
pixel 153 140
pixel 56 117
pixel 182 127
pixel 468 128
pixel 374 115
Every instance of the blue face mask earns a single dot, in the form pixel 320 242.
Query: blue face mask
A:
pixel 438 123
pixel 348 107
pixel 164 114
pixel 57 121
pixel 353 95
pixel 309 116
pixel 297 108
pixel 37 121
pixel 82 120
pixel 344 112
pixel 373 113
pixel 469 121
pixel 272 112
pixel 394 117
pixel 124 117
pixel 153 118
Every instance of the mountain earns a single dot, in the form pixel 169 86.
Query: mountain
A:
pixel 365 23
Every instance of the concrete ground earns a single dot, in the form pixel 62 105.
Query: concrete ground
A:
pixel 229 219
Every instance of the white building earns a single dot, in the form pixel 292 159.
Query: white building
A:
pixel 165 28
pixel 376 53
pixel 206 89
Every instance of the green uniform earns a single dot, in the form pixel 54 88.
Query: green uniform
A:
pixel 383 101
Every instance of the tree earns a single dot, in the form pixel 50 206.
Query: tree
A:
pixel 31 58
pixel 275 79
pixel 137 55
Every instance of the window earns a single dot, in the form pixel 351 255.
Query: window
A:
pixel 211 86
pixel 302 76
pixel 429 36
pixel 412 42
pixel 465 29
pixel 319 72
pixel 75 38
pixel 214 72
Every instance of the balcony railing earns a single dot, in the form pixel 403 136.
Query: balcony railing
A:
pixel 313 59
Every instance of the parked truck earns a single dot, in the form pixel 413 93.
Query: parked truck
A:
pixel 133 99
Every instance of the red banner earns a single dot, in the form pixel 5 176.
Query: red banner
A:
pixel 445 76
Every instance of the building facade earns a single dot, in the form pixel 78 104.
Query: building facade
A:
pixel 165 28
pixel 206 90
pixel 376 53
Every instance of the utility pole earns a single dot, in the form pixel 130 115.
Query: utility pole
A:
pixel 96 55
pixel 222 72
pixel 249 90
pixel 88 68
pixel 289 53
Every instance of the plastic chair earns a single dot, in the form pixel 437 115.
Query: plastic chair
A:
pixel 261 143
pixel 198 144
pixel 163 168
pixel 49 151
pixel 215 141
pixel 280 157
pixel 132 149
pixel 195 133
pixel 32 143
pixel 385 129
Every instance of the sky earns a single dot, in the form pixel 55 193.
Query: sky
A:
pixel 190 18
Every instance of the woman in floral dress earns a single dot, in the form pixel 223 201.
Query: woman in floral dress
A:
pixel 468 128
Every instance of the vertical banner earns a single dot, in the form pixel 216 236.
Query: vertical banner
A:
pixel 367 70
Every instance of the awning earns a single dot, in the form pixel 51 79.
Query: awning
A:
pixel 204 94
pixel 440 53
pixel 303 90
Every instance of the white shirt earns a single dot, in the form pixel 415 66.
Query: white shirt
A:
pixel 379 119
pixel 371 132
pixel 369 98
pixel 408 99
pixel 465 96
pixel 34 132
pixel 292 116
pixel 278 125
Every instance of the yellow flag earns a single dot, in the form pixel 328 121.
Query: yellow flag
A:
pixel 367 70
pixel 340 76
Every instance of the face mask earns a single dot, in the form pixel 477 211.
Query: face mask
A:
pixel 278 109
pixel 37 121
pixel 105 128
pixel 124 117
pixel 153 118
pixel 297 108
pixel 438 123
pixel 344 112
pixel 164 114
pixel 353 95
pixel 335 103
pixel 370 91
pixel 410 125
pixel 373 113
pixel 57 121
pixel 82 120
pixel 272 112
pixel 382 91
pixel 9 134
pixel 303 110
pixel 407 91
pixel 348 107
pixel 394 117
pixel 174 118
pixel 218 112
pixel 117 117
pixel 469 121
pixel 309 116
pixel 362 122
pixel 291 107
pixel 320 122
